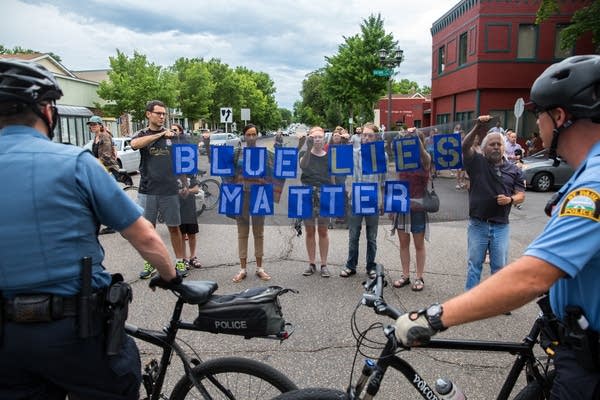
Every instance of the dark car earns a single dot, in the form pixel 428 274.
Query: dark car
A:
pixel 541 175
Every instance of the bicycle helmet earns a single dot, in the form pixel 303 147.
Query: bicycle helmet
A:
pixel 573 84
pixel 27 84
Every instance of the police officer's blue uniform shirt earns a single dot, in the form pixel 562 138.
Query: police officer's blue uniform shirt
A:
pixel 52 200
pixel 571 242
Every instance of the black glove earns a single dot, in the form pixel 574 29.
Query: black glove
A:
pixel 413 329
pixel 158 281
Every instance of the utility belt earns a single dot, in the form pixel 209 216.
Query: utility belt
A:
pixel 45 307
pixel 574 334
pixel 105 311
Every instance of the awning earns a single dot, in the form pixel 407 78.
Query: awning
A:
pixel 73 111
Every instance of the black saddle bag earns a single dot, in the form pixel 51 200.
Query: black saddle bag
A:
pixel 252 313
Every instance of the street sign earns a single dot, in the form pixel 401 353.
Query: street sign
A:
pixel 382 72
pixel 245 114
pixel 519 107
pixel 226 115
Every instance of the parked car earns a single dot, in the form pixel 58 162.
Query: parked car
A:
pixel 222 139
pixel 127 158
pixel 541 176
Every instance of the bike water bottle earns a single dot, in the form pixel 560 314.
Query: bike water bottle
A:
pixel 448 390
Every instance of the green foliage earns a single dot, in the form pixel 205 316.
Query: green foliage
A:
pixel 195 88
pixel 132 82
pixel 585 20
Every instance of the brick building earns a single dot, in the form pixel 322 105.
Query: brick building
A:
pixel 487 53
pixel 407 110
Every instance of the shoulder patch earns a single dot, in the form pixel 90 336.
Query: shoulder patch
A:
pixel 582 202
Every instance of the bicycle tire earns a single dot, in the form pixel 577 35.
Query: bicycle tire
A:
pixel 212 190
pixel 313 394
pixel 241 377
pixel 535 389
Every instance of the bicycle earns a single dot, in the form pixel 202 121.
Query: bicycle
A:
pixel 539 373
pixel 221 378
pixel 211 189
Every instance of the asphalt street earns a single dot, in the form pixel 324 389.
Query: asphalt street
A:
pixel 322 348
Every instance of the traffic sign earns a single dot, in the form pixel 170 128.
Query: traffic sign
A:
pixel 226 115
pixel 245 114
pixel 382 72
pixel 519 107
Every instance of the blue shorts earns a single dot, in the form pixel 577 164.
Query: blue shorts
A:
pixel 168 206
pixel 416 223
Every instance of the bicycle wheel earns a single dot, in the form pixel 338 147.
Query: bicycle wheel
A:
pixel 132 192
pixel 234 378
pixel 212 190
pixel 536 390
pixel 313 394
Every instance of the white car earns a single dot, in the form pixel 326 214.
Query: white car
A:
pixel 127 158
pixel 222 139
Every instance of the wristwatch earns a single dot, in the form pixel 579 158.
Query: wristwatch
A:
pixel 433 313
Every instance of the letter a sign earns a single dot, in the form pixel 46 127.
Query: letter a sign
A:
pixel 226 115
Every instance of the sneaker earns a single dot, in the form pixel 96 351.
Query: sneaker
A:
pixel 325 271
pixel 182 268
pixel 148 271
pixel 311 269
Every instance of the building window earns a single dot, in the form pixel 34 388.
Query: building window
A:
pixel 442 119
pixel 441 59
pixel 417 123
pixel 527 41
pixel 558 51
pixel 462 49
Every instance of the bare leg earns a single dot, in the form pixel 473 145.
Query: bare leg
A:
pixel 176 241
pixel 323 243
pixel 404 239
pixel 419 239
pixel 310 243
pixel 192 244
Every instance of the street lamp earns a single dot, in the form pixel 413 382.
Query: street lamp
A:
pixel 387 60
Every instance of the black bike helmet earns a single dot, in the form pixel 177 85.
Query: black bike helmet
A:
pixel 24 83
pixel 27 82
pixel 573 84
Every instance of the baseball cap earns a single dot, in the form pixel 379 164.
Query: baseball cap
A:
pixel 95 120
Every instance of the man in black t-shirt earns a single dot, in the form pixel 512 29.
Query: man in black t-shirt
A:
pixel 159 190
pixel 496 184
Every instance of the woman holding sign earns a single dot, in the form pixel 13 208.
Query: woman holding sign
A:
pixel 415 222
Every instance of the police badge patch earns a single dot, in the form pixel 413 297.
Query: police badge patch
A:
pixel 582 203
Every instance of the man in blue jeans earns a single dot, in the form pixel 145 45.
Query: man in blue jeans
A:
pixel 496 184
pixel 370 133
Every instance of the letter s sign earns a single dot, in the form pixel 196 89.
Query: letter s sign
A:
pixel 447 151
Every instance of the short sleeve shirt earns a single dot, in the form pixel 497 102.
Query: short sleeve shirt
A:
pixel 571 242
pixel 156 166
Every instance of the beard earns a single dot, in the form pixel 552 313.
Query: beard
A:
pixel 494 156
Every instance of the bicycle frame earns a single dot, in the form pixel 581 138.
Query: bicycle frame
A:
pixel 166 341
pixel 373 373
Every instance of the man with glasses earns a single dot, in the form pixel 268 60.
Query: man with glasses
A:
pixel 496 184
pixel 159 189
pixel 565 258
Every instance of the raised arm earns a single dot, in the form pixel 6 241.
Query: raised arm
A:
pixel 479 130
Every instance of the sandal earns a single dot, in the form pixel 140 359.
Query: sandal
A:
pixel 194 262
pixel 403 281
pixel 325 271
pixel 418 285
pixel 260 272
pixel 347 272
pixel 310 270
pixel 240 276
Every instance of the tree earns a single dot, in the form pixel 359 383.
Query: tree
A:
pixel 196 88
pixel 586 19
pixel 133 82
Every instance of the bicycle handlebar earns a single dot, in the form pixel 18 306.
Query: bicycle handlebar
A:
pixel 374 296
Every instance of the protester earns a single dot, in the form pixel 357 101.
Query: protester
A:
pixel 416 222
pixel 315 172
pixel 258 222
pixel 496 184
pixel 159 188
pixel 566 256
pixel 50 220
pixel 370 134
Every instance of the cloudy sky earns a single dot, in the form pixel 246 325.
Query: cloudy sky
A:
pixel 286 39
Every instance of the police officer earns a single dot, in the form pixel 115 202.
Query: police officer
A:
pixel 565 258
pixel 53 200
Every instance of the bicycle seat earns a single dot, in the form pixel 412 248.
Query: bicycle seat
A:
pixel 195 292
